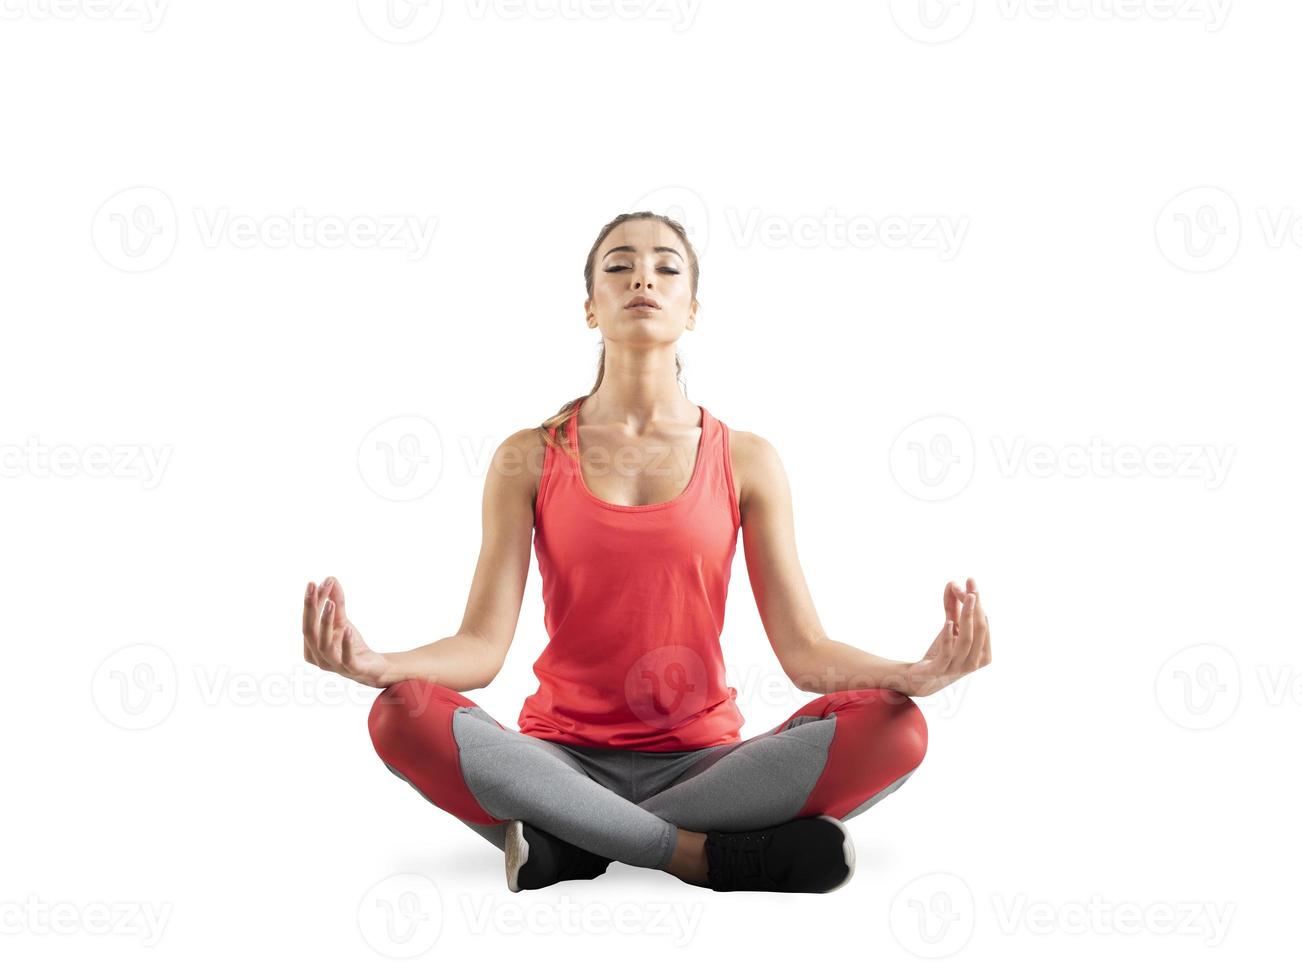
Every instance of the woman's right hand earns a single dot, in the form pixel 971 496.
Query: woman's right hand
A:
pixel 331 642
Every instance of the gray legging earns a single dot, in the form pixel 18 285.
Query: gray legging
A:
pixel 839 754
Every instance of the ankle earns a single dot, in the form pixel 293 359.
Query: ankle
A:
pixel 689 861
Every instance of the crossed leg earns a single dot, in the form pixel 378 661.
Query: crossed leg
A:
pixel 839 754
pixel 465 762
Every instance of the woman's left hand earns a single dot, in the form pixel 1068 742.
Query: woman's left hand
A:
pixel 962 646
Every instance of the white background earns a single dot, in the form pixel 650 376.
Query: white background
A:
pixel 1120 184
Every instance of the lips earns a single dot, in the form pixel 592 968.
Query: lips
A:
pixel 643 304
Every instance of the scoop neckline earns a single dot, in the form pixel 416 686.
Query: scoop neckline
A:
pixel 697 466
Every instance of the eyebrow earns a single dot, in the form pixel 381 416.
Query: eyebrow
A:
pixel 630 248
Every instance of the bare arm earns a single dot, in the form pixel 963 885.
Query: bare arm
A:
pixel 472 656
pixel 813 661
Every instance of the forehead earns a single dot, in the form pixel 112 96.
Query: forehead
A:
pixel 642 234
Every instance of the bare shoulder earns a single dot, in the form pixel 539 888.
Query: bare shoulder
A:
pixel 517 463
pixel 756 465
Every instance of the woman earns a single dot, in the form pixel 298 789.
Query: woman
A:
pixel 630 749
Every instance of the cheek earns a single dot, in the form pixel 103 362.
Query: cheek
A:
pixel 608 297
pixel 679 296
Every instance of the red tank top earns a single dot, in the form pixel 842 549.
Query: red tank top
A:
pixel 633 600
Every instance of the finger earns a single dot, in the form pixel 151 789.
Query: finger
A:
pixel 956 614
pixel 953 596
pixel 978 634
pixel 332 614
pixel 950 648
pixel 966 630
pixel 328 633
pixel 311 622
pixel 945 635
pixel 340 618
pixel 307 609
pixel 337 594
pixel 985 653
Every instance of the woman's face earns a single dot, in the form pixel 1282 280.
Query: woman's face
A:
pixel 641 260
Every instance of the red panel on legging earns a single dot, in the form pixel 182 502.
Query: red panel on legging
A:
pixel 411 728
pixel 880 736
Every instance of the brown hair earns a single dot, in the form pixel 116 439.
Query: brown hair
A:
pixel 551 425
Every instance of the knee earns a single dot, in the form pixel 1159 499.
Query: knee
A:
pixel 406 712
pixel 411 728
pixel 909 731
pixel 887 722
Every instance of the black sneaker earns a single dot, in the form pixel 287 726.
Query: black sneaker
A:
pixel 811 854
pixel 536 859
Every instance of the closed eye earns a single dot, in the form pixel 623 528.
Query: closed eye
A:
pixel 663 268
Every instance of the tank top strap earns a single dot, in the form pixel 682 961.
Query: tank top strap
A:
pixel 719 460
pixel 710 452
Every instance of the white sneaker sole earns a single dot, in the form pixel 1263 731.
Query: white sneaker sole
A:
pixel 847 846
pixel 517 853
